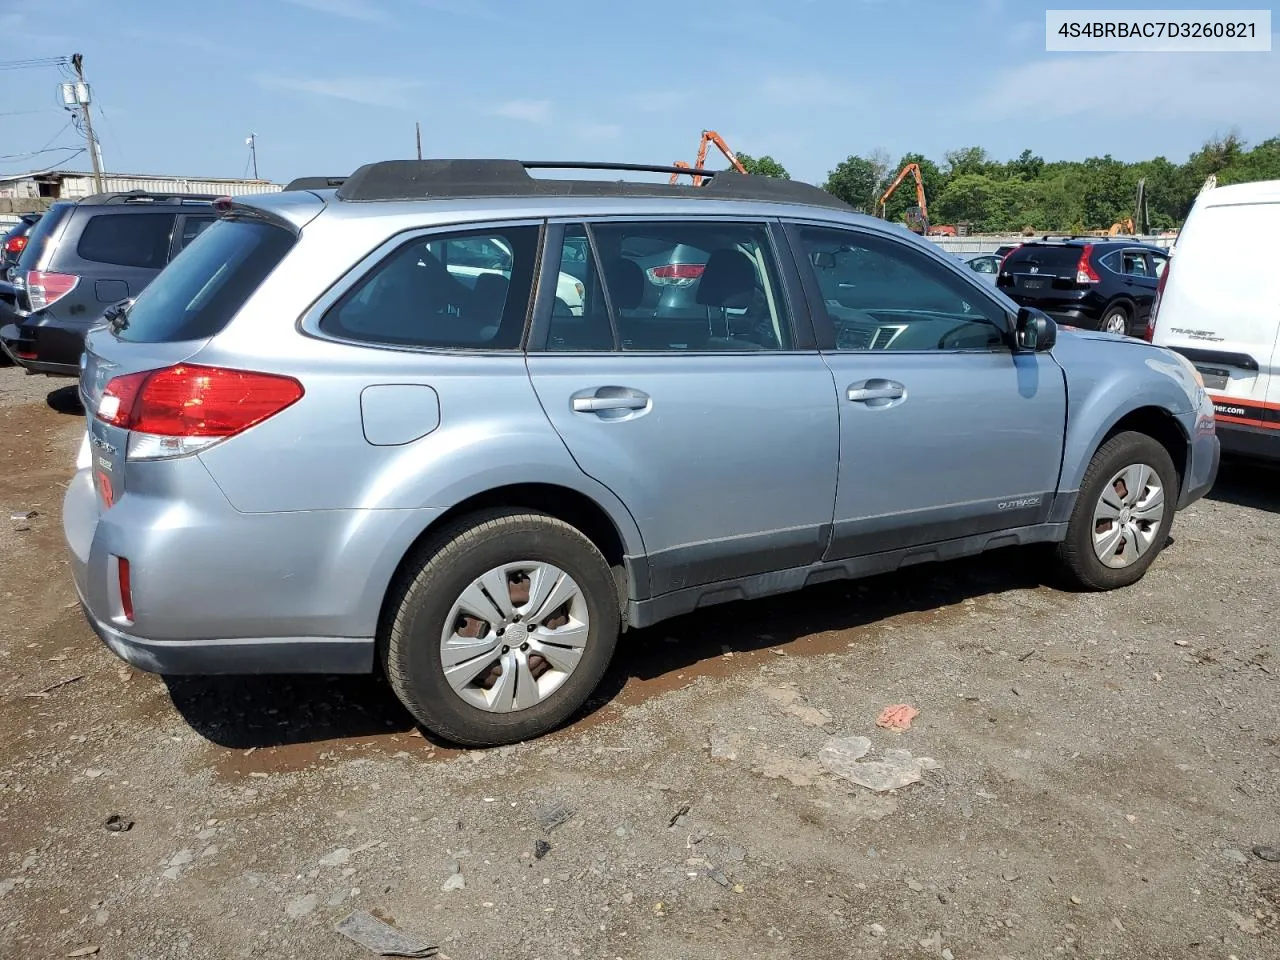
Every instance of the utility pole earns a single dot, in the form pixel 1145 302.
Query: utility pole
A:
pixel 417 129
pixel 252 141
pixel 82 97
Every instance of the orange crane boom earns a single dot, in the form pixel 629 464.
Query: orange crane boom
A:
pixel 914 170
pixel 709 137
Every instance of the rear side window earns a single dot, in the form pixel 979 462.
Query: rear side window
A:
pixel 448 291
pixel 204 286
pixel 1050 261
pixel 127 239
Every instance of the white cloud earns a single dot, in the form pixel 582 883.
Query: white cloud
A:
pixel 1143 86
pixel 374 91
pixel 350 9
pixel 530 111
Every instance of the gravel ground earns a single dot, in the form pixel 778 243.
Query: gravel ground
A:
pixel 1106 766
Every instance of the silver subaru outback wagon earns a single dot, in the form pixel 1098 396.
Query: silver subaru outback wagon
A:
pixel 365 428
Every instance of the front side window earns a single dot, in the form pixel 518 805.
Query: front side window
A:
pixel 457 291
pixel 879 294
pixel 127 239
pixel 669 286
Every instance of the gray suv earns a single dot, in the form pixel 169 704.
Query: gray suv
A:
pixel 325 440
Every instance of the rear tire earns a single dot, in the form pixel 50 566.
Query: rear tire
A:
pixel 1115 320
pixel 561 600
pixel 1122 514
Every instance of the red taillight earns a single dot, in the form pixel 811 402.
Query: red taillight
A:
pixel 1150 332
pixel 126 588
pixel 1084 269
pixel 676 274
pixel 44 289
pixel 195 401
pixel 16 244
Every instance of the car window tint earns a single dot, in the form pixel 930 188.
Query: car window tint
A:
pixel 670 287
pixel 1135 263
pixel 192 227
pixel 207 283
pixel 127 239
pixel 1160 263
pixel 880 294
pixel 458 291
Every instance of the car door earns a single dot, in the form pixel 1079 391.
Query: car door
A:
pixel 705 409
pixel 945 432
pixel 1140 280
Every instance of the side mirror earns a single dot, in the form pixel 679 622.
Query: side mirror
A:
pixel 1035 331
pixel 824 260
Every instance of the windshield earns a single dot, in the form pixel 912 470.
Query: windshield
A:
pixel 1053 261
pixel 201 290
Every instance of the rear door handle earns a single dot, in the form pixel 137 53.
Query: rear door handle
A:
pixel 876 390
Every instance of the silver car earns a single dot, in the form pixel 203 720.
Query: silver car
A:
pixel 316 445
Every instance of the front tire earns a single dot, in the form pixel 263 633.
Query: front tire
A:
pixel 500 627
pixel 1122 514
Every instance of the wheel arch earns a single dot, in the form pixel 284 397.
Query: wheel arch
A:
pixel 619 543
pixel 1152 420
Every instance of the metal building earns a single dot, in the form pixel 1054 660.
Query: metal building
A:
pixel 23 192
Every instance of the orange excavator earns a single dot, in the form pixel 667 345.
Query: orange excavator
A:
pixel 709 137
pixel 918 217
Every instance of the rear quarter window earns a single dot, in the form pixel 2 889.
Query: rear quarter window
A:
pixel 208 282
pixel 127 239
pixel 44 229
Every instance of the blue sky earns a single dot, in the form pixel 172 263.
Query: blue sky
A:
pixel 329 84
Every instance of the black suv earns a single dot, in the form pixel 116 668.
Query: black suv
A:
pixel 82 258
pixel 1099 283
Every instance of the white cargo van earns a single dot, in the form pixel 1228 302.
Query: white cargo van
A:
pixel 1218 304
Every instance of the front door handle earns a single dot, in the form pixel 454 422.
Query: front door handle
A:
pixel 611 398
pixel 876 390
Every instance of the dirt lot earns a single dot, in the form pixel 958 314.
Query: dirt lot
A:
pixel 1108 764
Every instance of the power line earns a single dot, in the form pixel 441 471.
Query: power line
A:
pixel 47 148
pixel 34 63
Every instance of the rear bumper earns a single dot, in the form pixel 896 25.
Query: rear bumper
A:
pixel 1261 443
pixel 245 655
pixel 44 348
pixel 217 591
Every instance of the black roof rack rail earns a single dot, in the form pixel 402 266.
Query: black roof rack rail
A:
pixel 314 183
pixel 146 196
pixel 443 179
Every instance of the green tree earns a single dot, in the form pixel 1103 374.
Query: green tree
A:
pixel 764 166
pixel 856 181
pixel 967 161
pixel 1027 167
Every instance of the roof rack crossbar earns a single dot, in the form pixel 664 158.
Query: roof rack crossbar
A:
pixel 145 196
pixel 456 179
